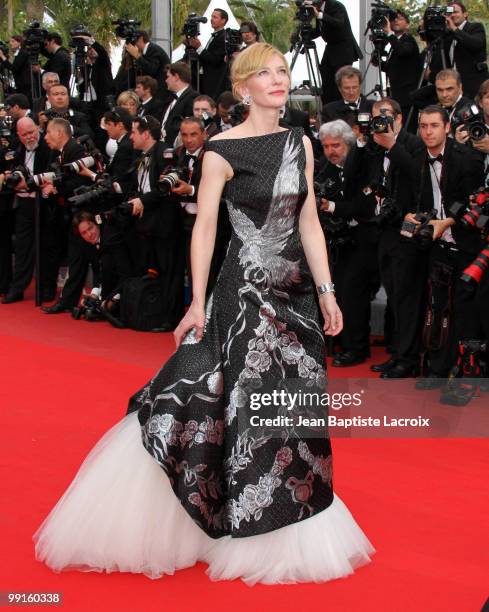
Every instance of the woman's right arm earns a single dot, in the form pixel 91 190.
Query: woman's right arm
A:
pixel 215 172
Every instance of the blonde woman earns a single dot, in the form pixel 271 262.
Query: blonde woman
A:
pixel 208 483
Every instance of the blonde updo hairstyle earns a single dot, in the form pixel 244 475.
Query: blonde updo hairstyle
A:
pixel 249 62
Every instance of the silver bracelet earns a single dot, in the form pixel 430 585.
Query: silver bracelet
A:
pixel 325 288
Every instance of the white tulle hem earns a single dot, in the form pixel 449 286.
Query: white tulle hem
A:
pixel 120 514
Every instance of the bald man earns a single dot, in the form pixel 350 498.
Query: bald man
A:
pixel 35 156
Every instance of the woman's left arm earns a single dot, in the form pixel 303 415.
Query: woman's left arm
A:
pixel 314 245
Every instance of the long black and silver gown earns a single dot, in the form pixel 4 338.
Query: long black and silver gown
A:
pixel 179 479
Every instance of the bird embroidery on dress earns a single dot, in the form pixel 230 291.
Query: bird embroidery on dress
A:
pixel 260 253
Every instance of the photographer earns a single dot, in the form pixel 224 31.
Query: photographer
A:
pixel 481 144
pixel 34 156
pixel 189 158
pixel 18 107
pixel 19 66
pixel 178 79
pixel 146 89
pixel 94 74
pixel 159 219
pixel 59 107
pixel 249 33
pixel 149 60
pixel 403 63
pixel 59 59
pixel 465 49
pixel 341 47
pixel 349 83
pixel 104 250
pixel 205 109
pixel 339 178
pixel 388 158
pixel 438 248
pixel 212 57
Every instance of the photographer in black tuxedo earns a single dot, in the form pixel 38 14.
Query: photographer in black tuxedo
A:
pixel 159 218
pixel 59 59
pixel 35 157
pixel 19 66
pixel 212 57
pixel 59 138
pixel 189 158
pixel 352 101
pixel 59 107
pixel 341 47
pixel 178 80
pixel 146 88
pixel 442 173
pixel 465 50
pixel 149 60
pixel 339 179
pixel 403 63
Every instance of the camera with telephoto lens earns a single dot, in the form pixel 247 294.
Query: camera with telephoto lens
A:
pixel 6 135
pixel 85 162
pixel 191 27
pixel 422 233
pixel 34 37
pixel 434 23
pixel 472 119
pixel 336 229
pixel 127 29
pixel 91 309
pixel 86 194
pixel 170 178
pixel 476 215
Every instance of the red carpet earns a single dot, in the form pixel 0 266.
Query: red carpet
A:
pixel 423 503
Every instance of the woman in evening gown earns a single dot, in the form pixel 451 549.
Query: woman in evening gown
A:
pixel 179 479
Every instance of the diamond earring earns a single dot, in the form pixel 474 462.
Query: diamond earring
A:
pixel 247 99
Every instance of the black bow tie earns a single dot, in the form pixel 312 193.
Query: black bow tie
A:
pixel 351 105
pixel 438 158
pixel 449 109
pixel 187 157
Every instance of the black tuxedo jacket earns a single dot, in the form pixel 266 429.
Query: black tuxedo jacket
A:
pixel 162 214
pixel 403 67
pixel 339 110
pixel 100 75
pixel 183 108
pixel 153 63
pixel 462 173
pixel 215 78
pixel 335 29
pixel 470 56
pixel 196 172
pixel 153 107
pixel 21 72
pixel 122 166
pixel 43 157
pixel 60 62
pixel 72 151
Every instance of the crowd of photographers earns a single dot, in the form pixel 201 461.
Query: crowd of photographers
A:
pixel 401 180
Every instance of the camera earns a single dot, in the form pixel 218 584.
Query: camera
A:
pixel 91 309
pixel 79 44
pixel 477 214
pixel 170 178
pixel 34 37
pixel 191 27
pixel 305 11
pixel 237 113
pixel 434 23
pixel 472 119
pixel 232 41
pixel 4 48
pixel 422 233
pixel 363 123
pixel 13 179
pixel 336 229
pixel 76 166
pixel 378 17
pixel 380 124
pixel 127 29
pixel 86 194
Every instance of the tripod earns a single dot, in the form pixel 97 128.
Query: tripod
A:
pixel 426 64
pixel 379 45
pixel 194 65
pixel 304 44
